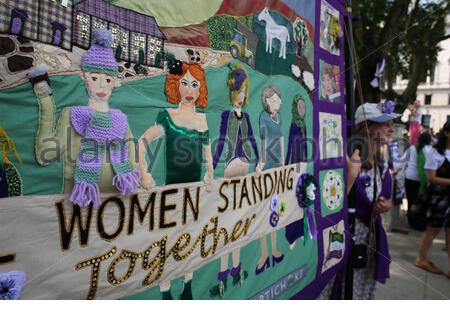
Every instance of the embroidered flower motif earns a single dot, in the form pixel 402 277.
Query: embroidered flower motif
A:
pixel 11 284
pixel 282 207
pixel 274 218
pixel 366 180
pixel 274 203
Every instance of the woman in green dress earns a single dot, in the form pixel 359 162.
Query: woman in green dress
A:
pixel 187 138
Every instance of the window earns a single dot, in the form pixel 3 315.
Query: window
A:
pixel 82 26
pixel 58 33
pixel 120 42
pixel 428 99
pixel 98 24
pixel 154 51
pixel 138 47
pixel 18 18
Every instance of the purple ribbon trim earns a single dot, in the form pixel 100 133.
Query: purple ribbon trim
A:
pixel 311 225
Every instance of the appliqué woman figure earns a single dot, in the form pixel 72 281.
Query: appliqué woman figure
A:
pixel 296 152
pixel 272 151
pixel 93 130
pixel 184 129
pixel 236 132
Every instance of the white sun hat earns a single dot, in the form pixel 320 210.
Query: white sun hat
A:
pixel 376 112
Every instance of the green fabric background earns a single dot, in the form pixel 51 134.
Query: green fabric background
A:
pixel 141 101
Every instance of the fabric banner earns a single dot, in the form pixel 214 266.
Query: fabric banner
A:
pixel 129 244
pixel 154 150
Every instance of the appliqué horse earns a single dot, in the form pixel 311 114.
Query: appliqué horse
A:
pixel 274 30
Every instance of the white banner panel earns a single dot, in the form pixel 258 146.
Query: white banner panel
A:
pixel 129 244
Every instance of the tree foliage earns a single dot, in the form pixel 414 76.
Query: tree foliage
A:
pixel 406 33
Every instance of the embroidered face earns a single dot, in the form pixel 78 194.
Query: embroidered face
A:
pixel 239 99
pixel 274 103
pixel 301 108
pixel 175 89
pixel 382 131
pixel 189 89
pixel 327 85
pixel 100 85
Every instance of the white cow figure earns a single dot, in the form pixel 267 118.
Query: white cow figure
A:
pixel 274 30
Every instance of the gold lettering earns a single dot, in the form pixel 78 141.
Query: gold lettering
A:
pixel 157 263
pixel 206 233
pixel 95 264
pixel 248 221
pixel 235 234
pixel 180 246
pixel 125 255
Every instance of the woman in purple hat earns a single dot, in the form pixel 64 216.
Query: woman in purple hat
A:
pixel 93 131
pixel 372 182
pixel 237 138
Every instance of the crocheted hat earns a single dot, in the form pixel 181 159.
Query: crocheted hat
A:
pixel 100 57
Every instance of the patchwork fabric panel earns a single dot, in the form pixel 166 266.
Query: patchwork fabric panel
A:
pixel 185 158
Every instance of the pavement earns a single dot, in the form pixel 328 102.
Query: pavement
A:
pixel 408 282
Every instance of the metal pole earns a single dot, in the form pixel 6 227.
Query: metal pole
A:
pixel 350 101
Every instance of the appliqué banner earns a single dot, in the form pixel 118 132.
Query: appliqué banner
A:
pixel 128 244
pixel 194 150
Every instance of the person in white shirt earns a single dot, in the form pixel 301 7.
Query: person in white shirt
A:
pixel 415 175
pixel 438 196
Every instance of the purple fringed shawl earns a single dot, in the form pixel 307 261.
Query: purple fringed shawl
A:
pixel 363 211
pixel 101 132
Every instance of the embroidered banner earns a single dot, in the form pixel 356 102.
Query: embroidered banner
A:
pixel 244 90
pixel 129 244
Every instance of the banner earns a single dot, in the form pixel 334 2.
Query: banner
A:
pixel 189 151
pixel 129 244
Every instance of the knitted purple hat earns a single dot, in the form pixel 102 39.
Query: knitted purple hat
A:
pixel 100 57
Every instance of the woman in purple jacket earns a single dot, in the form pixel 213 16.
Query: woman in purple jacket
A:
pixel 372 181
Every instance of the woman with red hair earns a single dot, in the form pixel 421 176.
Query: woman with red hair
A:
pixel 187 139
pixel 186 131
